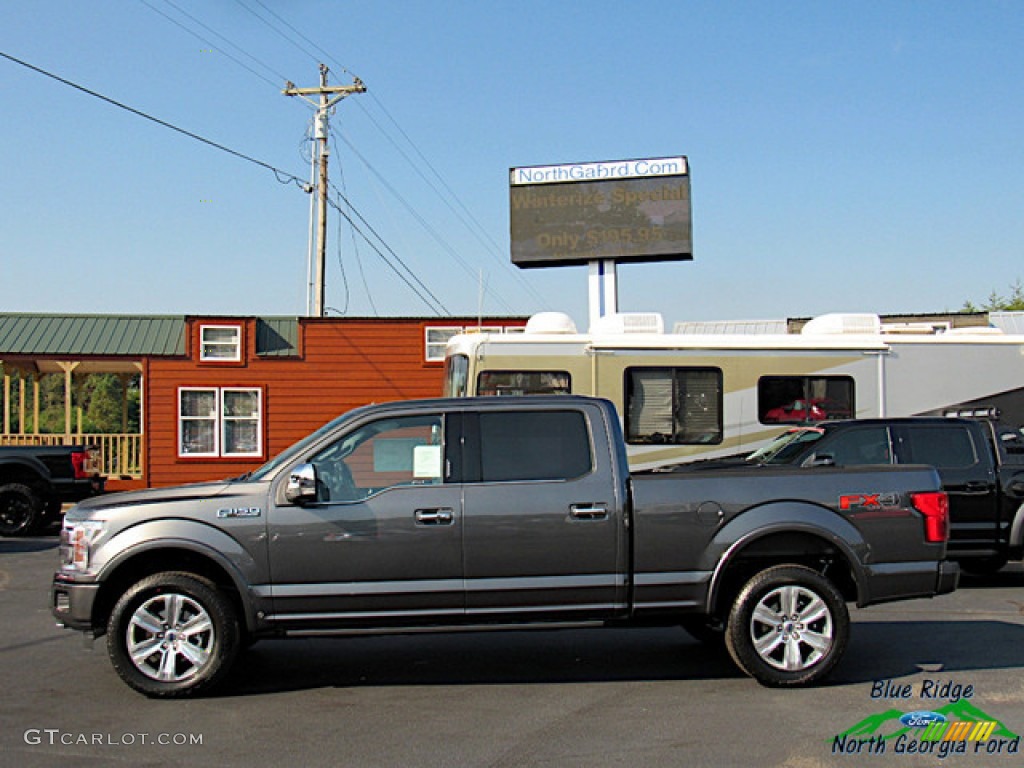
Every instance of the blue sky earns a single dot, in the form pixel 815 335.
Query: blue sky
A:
pixel 845 156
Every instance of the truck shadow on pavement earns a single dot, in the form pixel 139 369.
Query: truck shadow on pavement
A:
pixel 484 658
pixel 1012 576
pixel 877 650
pixel 15 546
pixel 890 649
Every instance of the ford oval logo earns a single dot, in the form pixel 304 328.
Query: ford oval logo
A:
pixel 921 719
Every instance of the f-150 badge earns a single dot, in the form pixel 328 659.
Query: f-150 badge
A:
pixel 240 512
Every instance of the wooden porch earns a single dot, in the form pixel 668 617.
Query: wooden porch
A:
pixel 121 453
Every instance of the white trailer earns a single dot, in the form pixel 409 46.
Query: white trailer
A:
pixel 689 396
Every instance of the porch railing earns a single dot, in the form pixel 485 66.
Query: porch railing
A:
pixel 120 455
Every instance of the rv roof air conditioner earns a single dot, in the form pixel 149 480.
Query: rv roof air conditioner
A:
pixel 629 322
pixel 836 323
pixel 550 322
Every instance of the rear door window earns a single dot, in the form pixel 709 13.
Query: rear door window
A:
pixel 534 445
pixel 943 447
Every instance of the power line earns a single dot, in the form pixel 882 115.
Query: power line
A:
pixel 297 32
pixel 474 227
pixel 355 250
pixel 383 242
pixel 422 221
pixel 344 276
pixel 436 307
pixel 284 177
pixel 279 32
pixel 182 11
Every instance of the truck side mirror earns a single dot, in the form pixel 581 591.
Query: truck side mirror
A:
pixel 301 488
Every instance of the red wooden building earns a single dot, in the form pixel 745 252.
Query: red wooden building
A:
pixel 219 395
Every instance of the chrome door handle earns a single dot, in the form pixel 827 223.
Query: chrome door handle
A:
pixel 440 516
pixel 588 512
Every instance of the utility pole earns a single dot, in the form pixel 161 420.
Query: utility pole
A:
pixel 327 97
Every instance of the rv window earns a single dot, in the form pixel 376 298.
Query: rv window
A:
pixel 523 383
pixel 674 406
pixel 804 399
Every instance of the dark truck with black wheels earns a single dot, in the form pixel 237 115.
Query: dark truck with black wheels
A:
pixel 36 480
pixel 493 512
pixel 979 460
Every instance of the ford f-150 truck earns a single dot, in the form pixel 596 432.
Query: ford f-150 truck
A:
pixel 486 512
pixel 980 463
pixel 35 480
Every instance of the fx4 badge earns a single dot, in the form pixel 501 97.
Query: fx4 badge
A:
pixel 240 512
pixel 869 501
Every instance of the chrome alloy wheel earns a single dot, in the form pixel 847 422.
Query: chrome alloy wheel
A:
pixel 791 628
pixel 170 637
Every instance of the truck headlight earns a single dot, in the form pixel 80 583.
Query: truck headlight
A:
pixel 76 543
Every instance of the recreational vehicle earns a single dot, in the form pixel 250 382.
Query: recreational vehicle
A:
pixel 689 396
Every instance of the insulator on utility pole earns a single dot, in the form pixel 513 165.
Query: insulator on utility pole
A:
pixel 327 97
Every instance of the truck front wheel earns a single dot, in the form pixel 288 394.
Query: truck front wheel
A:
pixel 172 635
pixel 788 626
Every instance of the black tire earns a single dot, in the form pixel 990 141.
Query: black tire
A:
pixel 20 509
pixel 190 627
pixel 789 626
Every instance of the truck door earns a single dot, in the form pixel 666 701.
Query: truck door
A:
pixel 968 476
pixel 384 538
pixel 544 528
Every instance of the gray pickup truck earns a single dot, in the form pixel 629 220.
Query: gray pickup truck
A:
pixel 491 512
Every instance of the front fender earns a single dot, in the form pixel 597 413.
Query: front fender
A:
pixel 203 540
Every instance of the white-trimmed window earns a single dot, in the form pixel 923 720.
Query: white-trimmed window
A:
pixel 438 336
pixel 220 343
pixel 220 421
pixel 437 340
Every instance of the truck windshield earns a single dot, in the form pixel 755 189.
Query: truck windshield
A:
pixel 782 449
pixel 292 452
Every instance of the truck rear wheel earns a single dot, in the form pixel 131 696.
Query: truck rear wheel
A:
pixel 173 635
pixel 20 509
pixel 788 626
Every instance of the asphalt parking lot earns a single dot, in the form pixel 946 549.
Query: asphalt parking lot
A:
pixel 600 697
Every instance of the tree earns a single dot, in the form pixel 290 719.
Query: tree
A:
pixel 998 303
pixel 99 396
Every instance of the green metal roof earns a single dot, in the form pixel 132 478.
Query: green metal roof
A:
pixel 109 335
pixel 277 336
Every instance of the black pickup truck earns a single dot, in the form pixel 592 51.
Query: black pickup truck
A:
pixel 36 480
pixel 980 461
pixel 481 512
